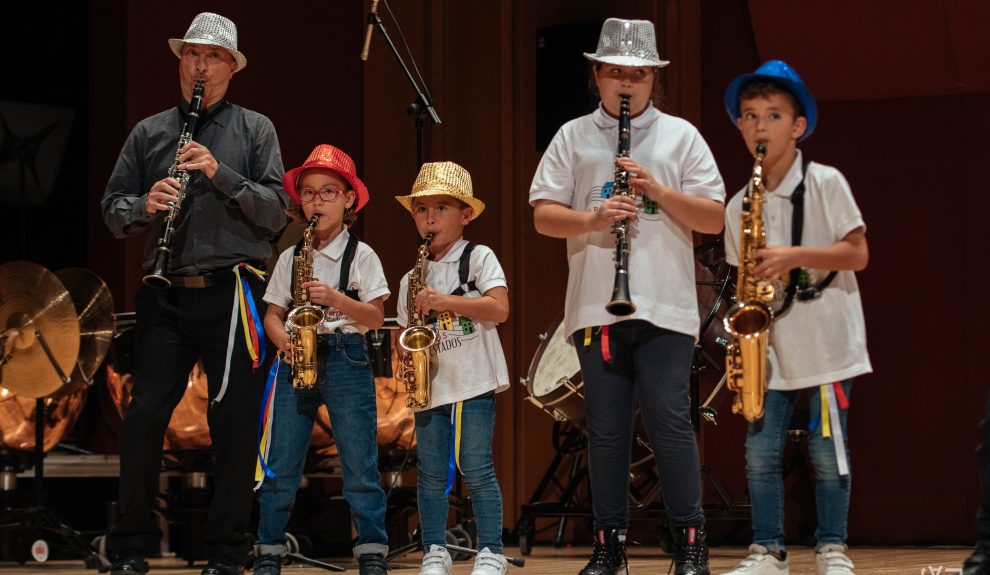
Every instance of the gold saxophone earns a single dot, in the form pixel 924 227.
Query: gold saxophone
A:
pixel 305 318
pixel 417 339
pixel 748 321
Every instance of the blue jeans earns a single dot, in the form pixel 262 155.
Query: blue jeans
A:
pixel 347 388
pixel 764 448
pixel 650 366
pixel 477 468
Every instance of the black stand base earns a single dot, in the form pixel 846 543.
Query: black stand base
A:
pixel 299 558
pixel 43 519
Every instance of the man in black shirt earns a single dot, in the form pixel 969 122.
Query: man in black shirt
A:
pixel 233 209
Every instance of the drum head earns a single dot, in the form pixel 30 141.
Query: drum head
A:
pixel 555 363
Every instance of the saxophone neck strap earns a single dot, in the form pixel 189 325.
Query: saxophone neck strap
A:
pixel 797 229
pixel 464 271
pixel 345 266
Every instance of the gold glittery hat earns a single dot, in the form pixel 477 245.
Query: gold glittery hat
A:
pixel 443 179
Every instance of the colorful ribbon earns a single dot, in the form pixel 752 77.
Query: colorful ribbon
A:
pixel 454 463
pixel 254 333
pixel 265 417
pixel 833 398
pixel 606 347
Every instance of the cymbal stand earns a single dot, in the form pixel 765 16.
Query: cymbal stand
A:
pixel 39 516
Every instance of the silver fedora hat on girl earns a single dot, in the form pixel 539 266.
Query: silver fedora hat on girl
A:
pixel 212 29
pixel 627 43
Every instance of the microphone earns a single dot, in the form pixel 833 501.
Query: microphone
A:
pixel 371 28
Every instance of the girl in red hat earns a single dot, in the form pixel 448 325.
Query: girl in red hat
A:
pixel 349 285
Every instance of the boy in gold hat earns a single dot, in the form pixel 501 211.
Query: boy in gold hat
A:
pixel 464 297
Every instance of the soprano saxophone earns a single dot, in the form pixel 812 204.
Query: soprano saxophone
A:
pixel 417 339
pixel 621 302
pixel 748 321
pixel 157 277
pixel 305 318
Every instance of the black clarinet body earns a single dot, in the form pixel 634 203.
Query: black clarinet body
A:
pixel 621 303
pixel 157 276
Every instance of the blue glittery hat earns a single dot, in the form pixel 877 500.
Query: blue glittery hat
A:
pixel 778 72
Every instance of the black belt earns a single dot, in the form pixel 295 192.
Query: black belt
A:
pixel 203 281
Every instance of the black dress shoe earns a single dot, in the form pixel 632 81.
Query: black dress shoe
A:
pixel 215 567
pixel 129 566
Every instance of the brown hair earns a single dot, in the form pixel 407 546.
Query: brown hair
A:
pixel 656 93
pixel 767 88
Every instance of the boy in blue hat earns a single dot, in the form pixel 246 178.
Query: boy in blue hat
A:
pixel 816 235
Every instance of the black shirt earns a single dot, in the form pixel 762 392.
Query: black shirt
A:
pixel 233 218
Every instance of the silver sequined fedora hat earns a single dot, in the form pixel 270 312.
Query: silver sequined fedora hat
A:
pixel 213 29
pixel 627 43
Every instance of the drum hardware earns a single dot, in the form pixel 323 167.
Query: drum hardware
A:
pixel 37 312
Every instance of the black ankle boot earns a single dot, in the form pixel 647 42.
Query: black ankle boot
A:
pixel 979 562
pixel 690 551
pixel 609 556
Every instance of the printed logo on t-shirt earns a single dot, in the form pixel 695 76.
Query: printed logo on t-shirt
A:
pixel 453 331
pixel 332 314
pixel 649 210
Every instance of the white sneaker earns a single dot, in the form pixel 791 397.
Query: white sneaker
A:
pixel 488 563
pixel 832 560
pixel 436 561
pixel 761 562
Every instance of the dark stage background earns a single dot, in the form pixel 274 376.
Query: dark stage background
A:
pixel 904 93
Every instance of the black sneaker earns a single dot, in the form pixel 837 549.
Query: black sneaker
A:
pixel 690 551
pixel 372 564
pixel 609 555
pixel 979 562
pixel 267 565
pixel 132 565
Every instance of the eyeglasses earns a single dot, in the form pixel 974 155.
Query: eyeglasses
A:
pixel 326 194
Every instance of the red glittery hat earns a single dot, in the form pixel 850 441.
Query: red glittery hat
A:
pixel 329 158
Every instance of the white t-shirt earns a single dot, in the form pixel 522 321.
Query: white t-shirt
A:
pixel 468 354
pixel 821 340
pixel 577 170
pixel 367 277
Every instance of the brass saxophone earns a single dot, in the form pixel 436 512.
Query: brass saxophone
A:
pixel 621 302
pixel 305 318
pixel 417 339
pixel 157 277
pixel 748 321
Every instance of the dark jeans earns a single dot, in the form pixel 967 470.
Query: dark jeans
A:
pixel 651 366
pixel 347 388
pixel 983 459
pixel 175 327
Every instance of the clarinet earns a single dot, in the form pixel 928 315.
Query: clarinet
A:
pixel 621 303
pixel 158 276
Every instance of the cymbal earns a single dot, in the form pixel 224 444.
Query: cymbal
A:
pixel 32 301
pixel 94 305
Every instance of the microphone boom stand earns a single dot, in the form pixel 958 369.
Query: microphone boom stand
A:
pixel 422 105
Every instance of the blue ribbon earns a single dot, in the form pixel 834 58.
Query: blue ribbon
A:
pixel 452 462
pixel 265 397
pixel 257 319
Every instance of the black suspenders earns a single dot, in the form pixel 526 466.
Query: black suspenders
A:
pixel 797 229
pixel 463 269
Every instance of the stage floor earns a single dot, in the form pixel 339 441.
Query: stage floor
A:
pixel 569 560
